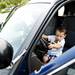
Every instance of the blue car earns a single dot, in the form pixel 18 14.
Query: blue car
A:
pixel 23 32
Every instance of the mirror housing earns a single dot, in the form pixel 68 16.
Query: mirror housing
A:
pixel 6 53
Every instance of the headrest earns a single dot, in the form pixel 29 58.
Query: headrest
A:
pixel 70 39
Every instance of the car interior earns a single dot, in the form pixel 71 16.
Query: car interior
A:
pixel 67 20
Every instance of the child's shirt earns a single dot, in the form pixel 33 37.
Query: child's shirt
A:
pixel 53 51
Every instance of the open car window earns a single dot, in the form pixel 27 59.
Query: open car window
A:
pixel 59 19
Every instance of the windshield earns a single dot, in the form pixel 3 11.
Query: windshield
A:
pixel 20 25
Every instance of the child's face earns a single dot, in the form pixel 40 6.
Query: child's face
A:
pixel 60 35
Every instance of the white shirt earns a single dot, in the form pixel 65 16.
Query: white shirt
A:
pixel 56 52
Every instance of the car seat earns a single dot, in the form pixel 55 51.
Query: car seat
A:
pixel 69 23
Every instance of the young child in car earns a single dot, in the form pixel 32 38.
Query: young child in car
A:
pixel 56 44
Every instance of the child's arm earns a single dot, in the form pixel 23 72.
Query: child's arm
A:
pixel 55 45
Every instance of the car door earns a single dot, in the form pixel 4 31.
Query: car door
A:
pixel 43 71
pixel 68 67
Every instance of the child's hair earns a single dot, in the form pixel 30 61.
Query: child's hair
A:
pixel 62 29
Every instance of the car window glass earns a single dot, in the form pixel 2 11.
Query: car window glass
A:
pixel 20 24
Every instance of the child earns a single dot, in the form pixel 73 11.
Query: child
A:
pixel 56 44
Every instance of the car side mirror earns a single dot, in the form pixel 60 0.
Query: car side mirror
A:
pixel 6 54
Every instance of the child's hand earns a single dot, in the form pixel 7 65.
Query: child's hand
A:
pixel 50 46
pixel 54 45
pixel 44 36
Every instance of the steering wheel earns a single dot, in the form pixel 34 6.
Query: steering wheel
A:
pixel 44 43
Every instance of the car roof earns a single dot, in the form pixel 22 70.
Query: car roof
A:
pixel 43 1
